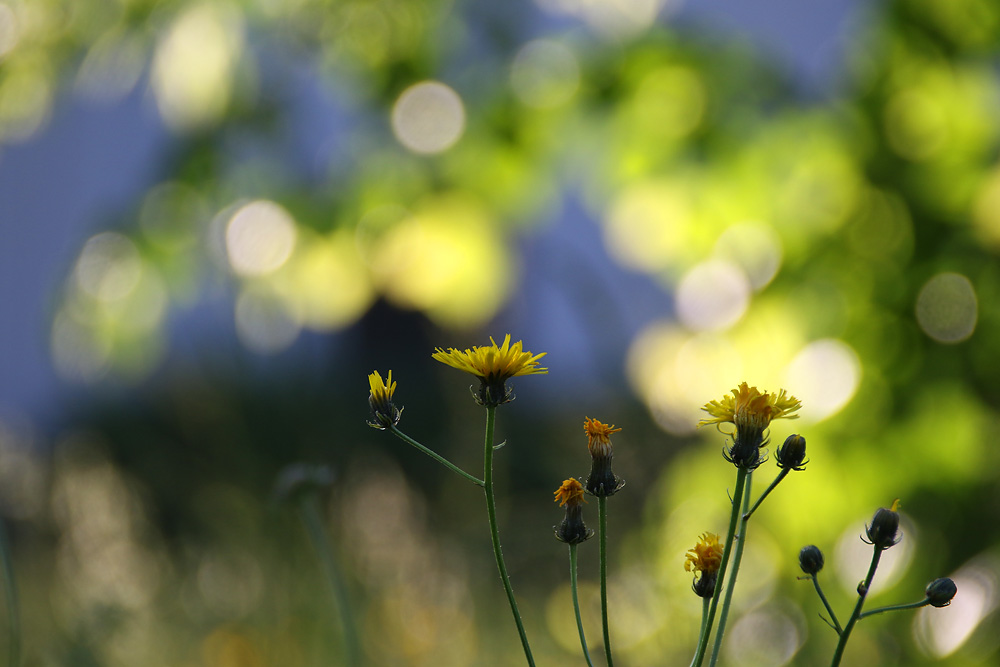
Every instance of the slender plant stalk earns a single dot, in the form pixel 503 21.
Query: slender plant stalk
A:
pixel 777 480
pixel 602 505
pixel 705 603
pixel 699 655
pixel 741 542
pixel 10 597
pixel 576 603
pixel 311 517
pixel 494 531
pixel 829 609
pixel 437 457
pixel 862 594
pixel 895 607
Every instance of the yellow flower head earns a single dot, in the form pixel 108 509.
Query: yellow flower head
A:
pixel 599 437
pixel 384 413
pixel 749 407
pixel 493 365
pixel 570 493
pixel 706 557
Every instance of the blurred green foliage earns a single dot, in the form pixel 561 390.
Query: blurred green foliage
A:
pixel 844 248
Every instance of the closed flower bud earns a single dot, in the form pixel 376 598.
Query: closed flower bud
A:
pixel 941 591
pixel 884 528
pixel 792 454
pixel 811 559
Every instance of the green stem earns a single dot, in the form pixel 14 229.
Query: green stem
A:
pixel 602 505
pixel 777 480
pixel 895 607
pixel 862 594
pixel 10 596
pixel 741 542
pixel 437 457
pixel 705 602
pixel 576 603
pixel 829 609
pixel 699 655
pixel 311 517
pixel 494 531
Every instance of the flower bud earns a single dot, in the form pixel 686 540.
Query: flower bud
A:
pixel 572 529
pixel 602 481
pixel 884 528
pixel 384 413
pixel 811 559
pixel 941 591
pixel 792 454
pixel 704 560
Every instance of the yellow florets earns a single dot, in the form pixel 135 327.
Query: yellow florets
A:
pixel 492 362
pixel 384 413
pixel 706 556
pixel 493 365
pixel 748 407
pixel 570 493
pixel 598 437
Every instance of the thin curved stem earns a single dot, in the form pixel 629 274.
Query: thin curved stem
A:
pixel 491 509
pixel 705 602
pixel 602 505
pixel 777 480
pixel 437 457
pixel 741 542
pixel 576 603
pixel 311 517
pixel 829 609
pixel 862 594
pixel 699 655
pixel 895 607
pixel 10 597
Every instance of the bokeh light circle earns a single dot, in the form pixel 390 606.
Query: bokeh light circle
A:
pixel 947 308
pixel 712 296
pixel 825 375
pixel 428 117
pixel 260 238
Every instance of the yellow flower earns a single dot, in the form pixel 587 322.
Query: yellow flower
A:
pixel 384 413
pixel 598 437
pixel 570 493
pixel 747 405
pixel 751 411
pixel 493 365
pixel 706 557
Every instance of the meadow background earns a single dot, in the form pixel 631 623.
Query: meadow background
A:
pixel 217 217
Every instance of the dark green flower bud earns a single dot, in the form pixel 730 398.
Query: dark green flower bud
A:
pixel 884 528
pixel 792 454
pixel 704 586
pixel 811 559
pixel 941 591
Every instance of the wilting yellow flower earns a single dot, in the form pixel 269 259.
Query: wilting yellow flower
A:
pixel 598 437
pixel 384 413
pixel 706 557
pixel 749 407
pixel 570 493
pixel 572 529
pixel 493 365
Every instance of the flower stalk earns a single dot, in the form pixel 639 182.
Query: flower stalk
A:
pixel 602 509
pixel 434 455
pixel 863 589
pixel 576 603
pixel 491 510
pixel 699 656
pixel 741 541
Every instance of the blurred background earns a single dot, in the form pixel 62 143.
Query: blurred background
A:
pixel 217 217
